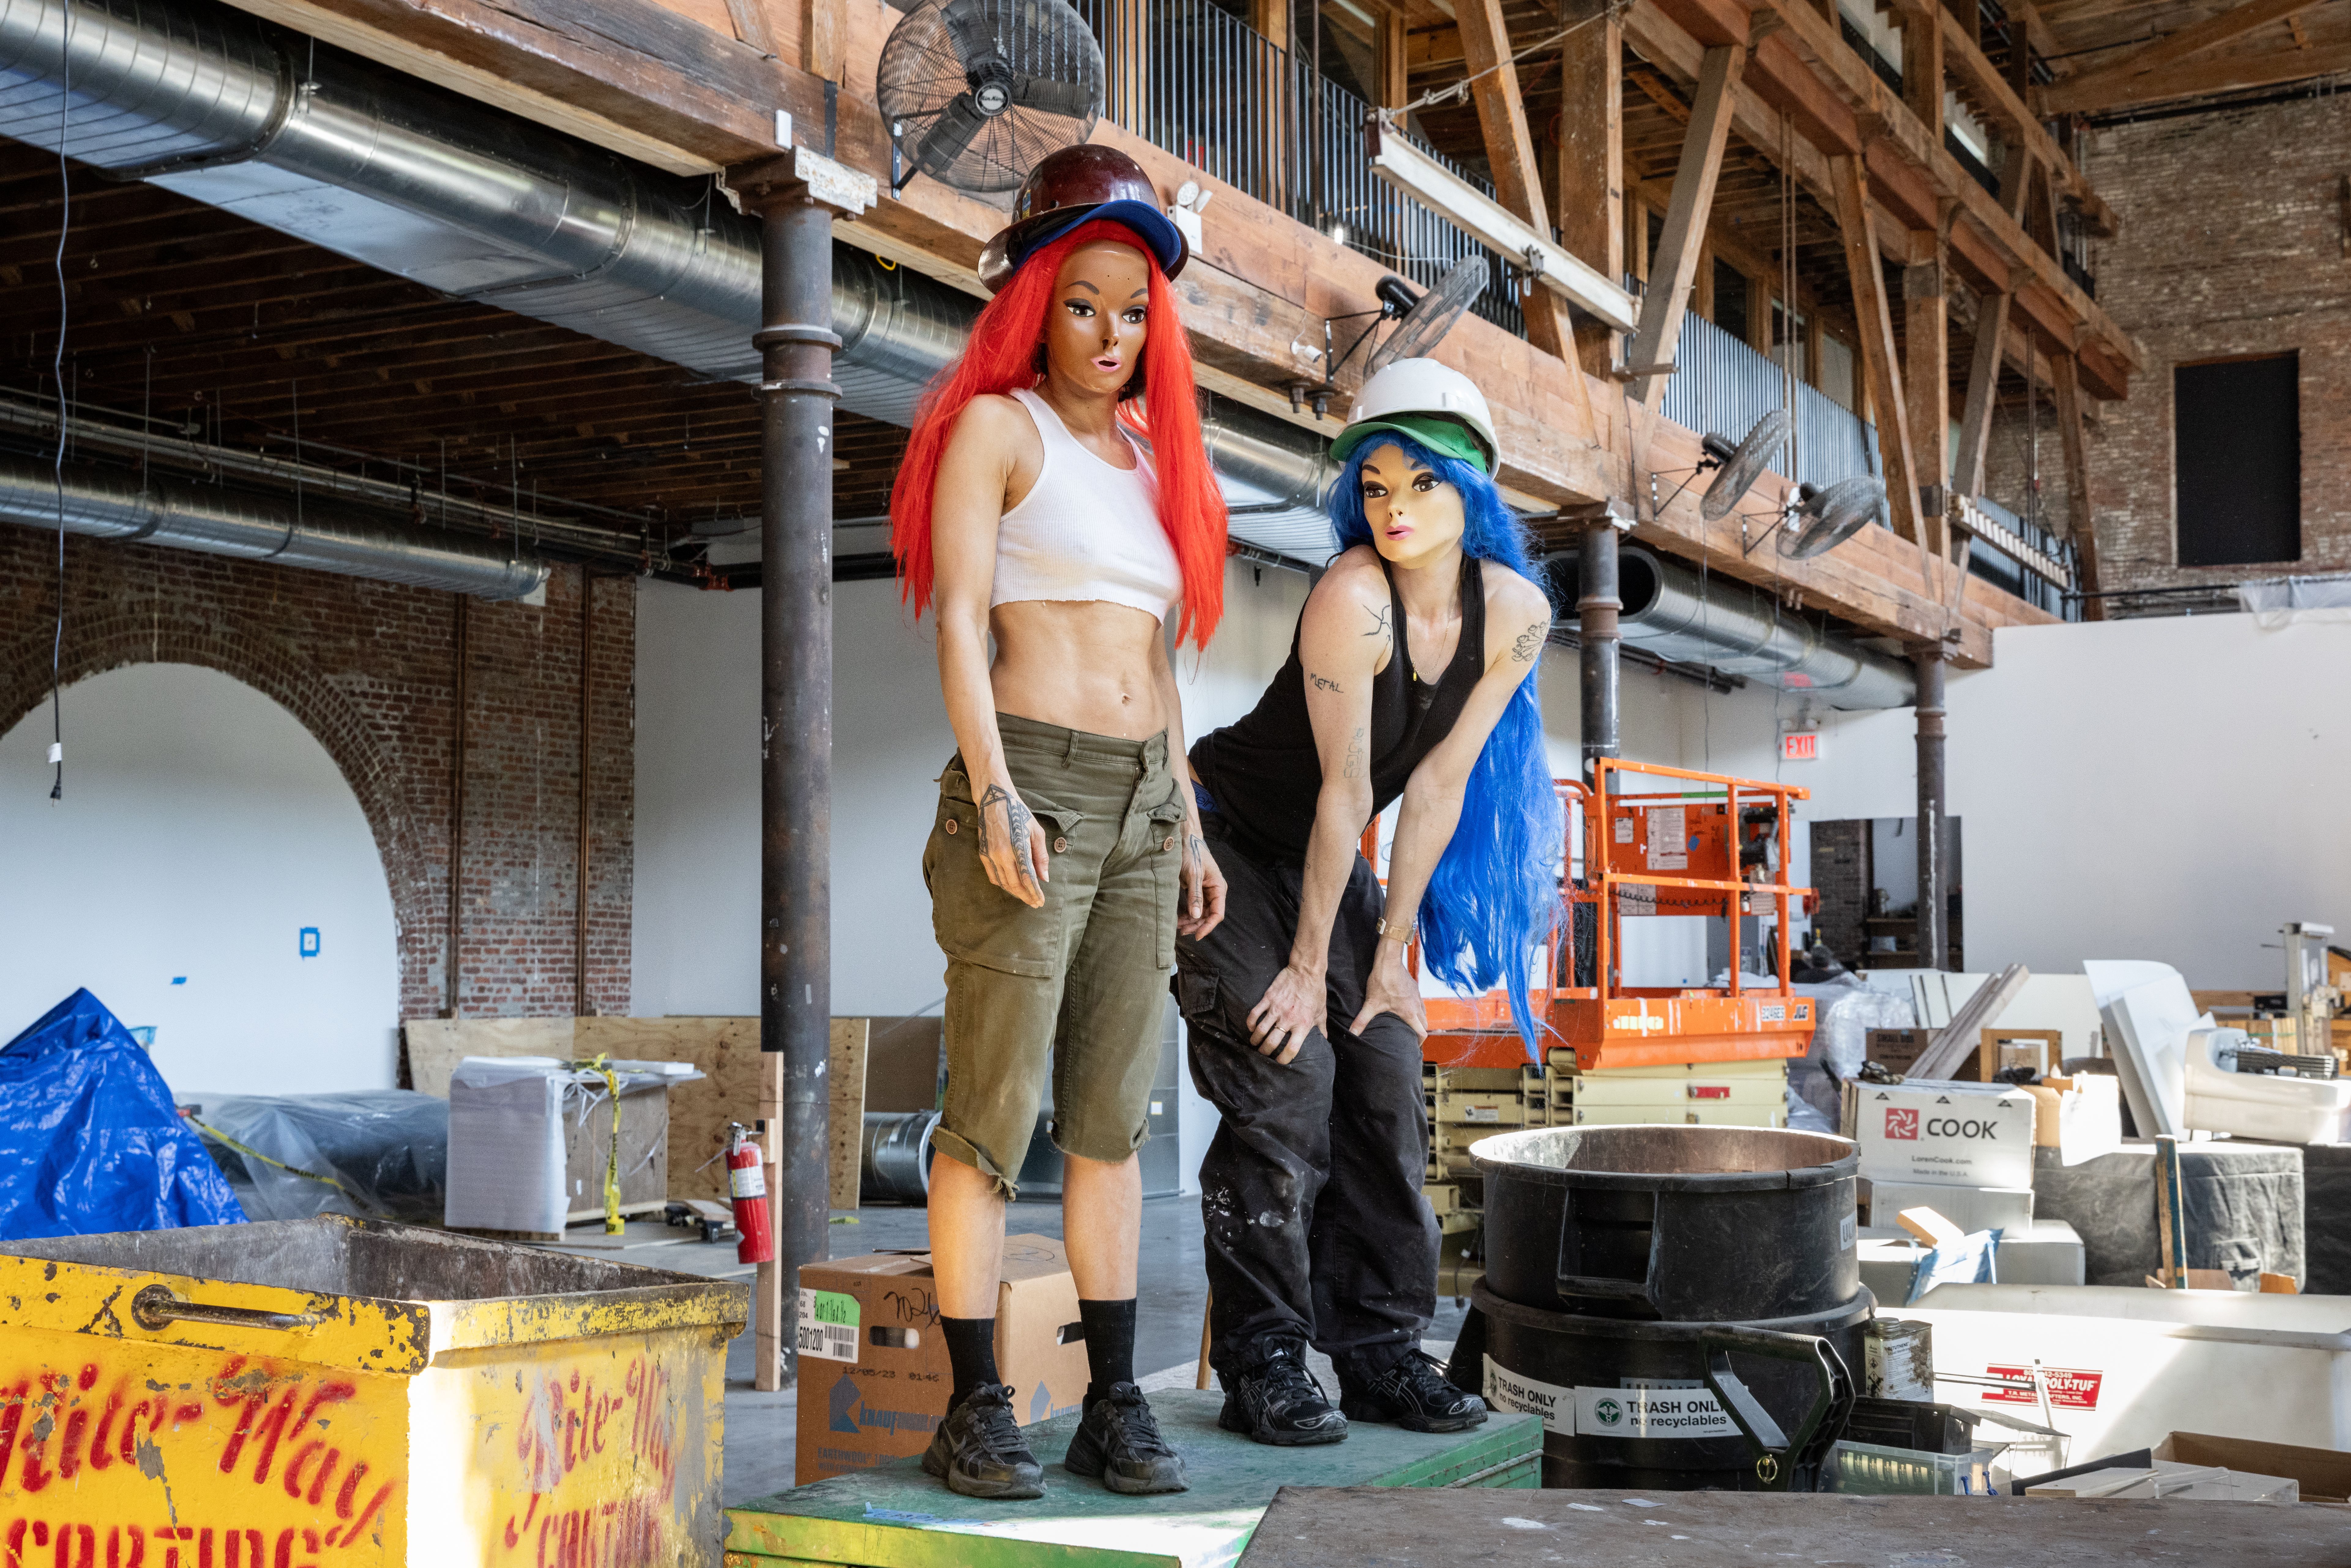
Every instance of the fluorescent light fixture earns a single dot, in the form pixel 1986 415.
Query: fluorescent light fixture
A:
pixel 1437 188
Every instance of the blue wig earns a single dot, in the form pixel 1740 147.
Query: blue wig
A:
pixel 1494 896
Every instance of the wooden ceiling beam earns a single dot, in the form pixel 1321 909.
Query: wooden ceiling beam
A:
pixel 2007 109
pixel 2164 69
pixel 1675 265
pixel 1510 160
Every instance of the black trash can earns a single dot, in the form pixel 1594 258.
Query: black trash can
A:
pixel 1626 1404
pixel 1671 1223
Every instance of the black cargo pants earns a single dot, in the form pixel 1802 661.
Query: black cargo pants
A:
pixel 1317 1231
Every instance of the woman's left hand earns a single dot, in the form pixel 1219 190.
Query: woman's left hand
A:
pixel 1204 888
pixel 1394 988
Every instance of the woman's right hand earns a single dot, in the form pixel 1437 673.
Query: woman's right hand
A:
pixel 1012 847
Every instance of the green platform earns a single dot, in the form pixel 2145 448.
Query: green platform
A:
pixel 897 1517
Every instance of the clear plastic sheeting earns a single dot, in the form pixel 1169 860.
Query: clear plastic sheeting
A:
pixel 376 1154
pixel 1848 1010
pixel 90 1140
pixel 2275 601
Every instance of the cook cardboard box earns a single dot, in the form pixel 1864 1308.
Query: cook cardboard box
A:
pixel 1937 1130
pixel 873 1365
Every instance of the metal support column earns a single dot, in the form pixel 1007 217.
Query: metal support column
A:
pixel 1597 630
pixel 1934 875
pixel 796 197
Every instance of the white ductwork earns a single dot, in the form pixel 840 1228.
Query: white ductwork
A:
pixel 1682 616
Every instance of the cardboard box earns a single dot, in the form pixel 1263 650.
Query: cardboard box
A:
pixel 2323 1474
pixel 874 1367
pixel 2081 1117
pixel 1897 1048
pixel 2041 1050
pixel 1944 1133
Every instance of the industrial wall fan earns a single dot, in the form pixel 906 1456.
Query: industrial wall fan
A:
pixel 1823 519
pixel 1740 467
pixel 1421 323
pixel 976 92
pixel 1422 319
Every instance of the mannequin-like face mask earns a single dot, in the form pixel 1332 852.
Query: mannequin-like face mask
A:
pixel 1413 514
pixel 1099 320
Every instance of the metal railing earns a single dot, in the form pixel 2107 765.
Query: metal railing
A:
pixel 1720 386
pixel 1215 92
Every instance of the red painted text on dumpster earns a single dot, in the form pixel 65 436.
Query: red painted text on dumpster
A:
pixel 575 1421
pixel 248 1420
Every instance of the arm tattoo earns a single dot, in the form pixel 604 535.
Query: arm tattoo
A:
pixel 1530 643
pixel 1379 621
pixel 1016 817
pixel 1354 766
pixel 1315 680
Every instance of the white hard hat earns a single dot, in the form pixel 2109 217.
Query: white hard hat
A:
pixel 1422 387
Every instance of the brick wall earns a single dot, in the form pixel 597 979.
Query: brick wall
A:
pixel 2233 243
pixel 368 668
pixel 1841 873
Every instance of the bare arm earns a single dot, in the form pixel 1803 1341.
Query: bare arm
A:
pixel 1518 620
pixel 1342 639
pixel 1204 884
pixel 976 474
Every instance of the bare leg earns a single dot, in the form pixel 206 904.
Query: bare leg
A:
pixel 967 1238
pixel 1101 1224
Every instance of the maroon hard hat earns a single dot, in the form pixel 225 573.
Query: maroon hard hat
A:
pixel 1071 186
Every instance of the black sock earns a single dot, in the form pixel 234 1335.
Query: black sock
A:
pixel 971 1352
pixel 1110 1344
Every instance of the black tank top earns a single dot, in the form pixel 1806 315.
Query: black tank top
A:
pixel 1264 773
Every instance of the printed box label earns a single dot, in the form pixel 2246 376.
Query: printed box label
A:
pixel 828 1325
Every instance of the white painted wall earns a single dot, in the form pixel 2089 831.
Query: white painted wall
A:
pixel 202 828
pixel 2166 788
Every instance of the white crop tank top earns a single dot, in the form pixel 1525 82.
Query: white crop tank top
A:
pixel 1086 530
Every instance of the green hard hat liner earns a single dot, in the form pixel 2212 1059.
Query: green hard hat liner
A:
pixel 1439 433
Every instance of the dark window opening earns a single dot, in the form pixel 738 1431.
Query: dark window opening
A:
pixel 1731 299
pixel 2237 461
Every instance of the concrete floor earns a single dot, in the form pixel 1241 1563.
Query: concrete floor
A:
pixel 760 1426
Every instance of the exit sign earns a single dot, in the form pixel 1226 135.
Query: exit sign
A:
pixel 1803 747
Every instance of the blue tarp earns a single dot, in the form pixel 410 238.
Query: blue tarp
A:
pixel 90 1140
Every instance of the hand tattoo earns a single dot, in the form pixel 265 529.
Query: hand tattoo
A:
pixel 1016 820
pixel 1530 643
pixel 1195 851
pixel 1354 766
pixel 1320 683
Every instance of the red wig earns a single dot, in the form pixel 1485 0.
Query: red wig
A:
pixel 1002 357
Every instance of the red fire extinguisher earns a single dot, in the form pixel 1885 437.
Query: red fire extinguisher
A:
pixel 747 1183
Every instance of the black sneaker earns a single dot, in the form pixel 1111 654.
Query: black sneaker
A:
pixel 1278 1401
pixel 1119 1440
pixel 978 1451
pixel 1414 1394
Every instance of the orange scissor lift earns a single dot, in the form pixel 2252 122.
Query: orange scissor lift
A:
pixel 1701 844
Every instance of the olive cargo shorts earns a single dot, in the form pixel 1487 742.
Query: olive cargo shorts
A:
pixel 1085 979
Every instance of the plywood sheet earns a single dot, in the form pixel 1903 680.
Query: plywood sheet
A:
pixel 845 1079
pixel 1431 1528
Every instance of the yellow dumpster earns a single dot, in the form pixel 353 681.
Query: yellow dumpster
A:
pixel 318 1393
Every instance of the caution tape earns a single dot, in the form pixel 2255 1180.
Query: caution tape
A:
pixel 249 1151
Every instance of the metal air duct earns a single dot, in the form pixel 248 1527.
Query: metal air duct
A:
pixel 110 503
pixel 389 170
pixel 1674 614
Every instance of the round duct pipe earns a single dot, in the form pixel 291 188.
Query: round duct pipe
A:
pixel 106 504
pixel 1676 614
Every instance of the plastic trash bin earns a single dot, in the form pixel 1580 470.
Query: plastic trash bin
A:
pixel 314 1393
